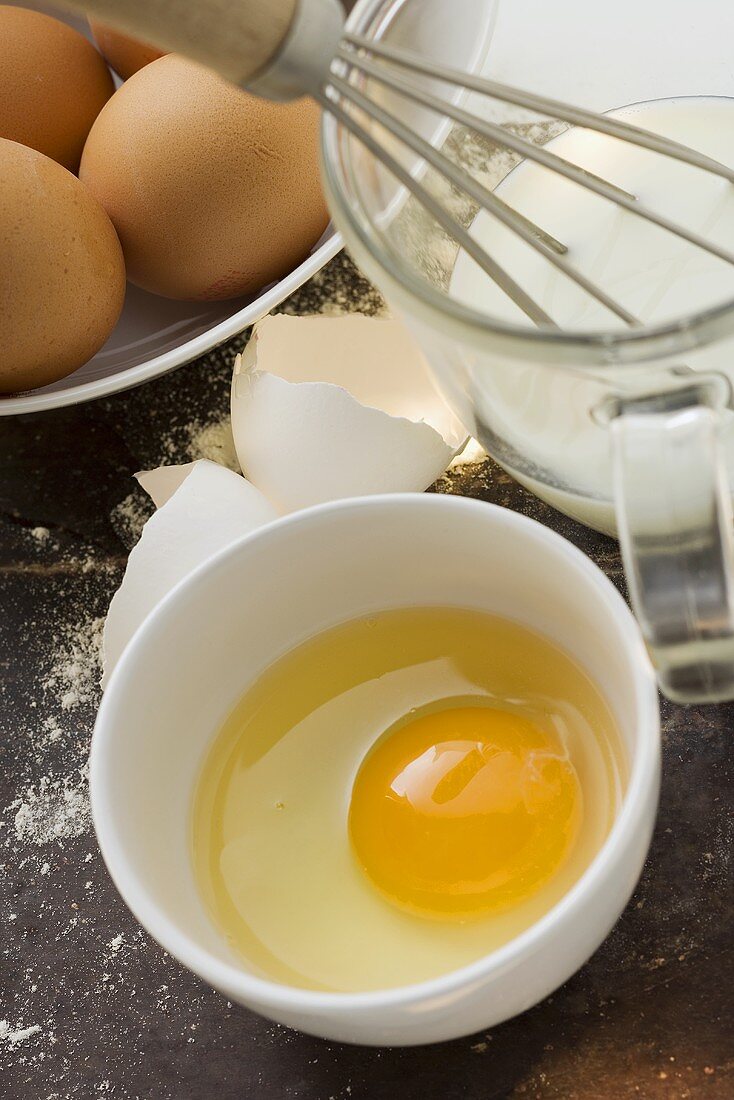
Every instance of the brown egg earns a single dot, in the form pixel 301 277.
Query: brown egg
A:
pixel 53 84
pixel 62 274
pixel 125 55
pixel 213 193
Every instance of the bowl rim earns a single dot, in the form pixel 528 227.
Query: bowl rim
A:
pixel 275 997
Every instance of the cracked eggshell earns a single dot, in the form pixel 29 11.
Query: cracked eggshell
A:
pixel 331 407
pixel 202 508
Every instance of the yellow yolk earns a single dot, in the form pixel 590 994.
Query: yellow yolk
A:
pixel 464 811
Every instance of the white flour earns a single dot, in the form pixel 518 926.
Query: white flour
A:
pixel 52 810
pixel 54 807
pixel 14 1036
pixel 129 517
pixel 74 676
pixel 213 441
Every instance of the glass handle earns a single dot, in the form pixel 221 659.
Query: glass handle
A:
pixel 674 515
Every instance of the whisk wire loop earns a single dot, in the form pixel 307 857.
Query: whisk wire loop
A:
pixel 341 95
pixel 481 195
pixel 540 155
pixel 449 224
pixel 553 108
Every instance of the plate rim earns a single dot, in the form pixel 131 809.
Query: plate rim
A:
pixel 39 401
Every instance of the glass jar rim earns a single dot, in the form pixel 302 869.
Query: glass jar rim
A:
pixel 584 348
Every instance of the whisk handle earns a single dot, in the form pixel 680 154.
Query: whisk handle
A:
pixel 277 48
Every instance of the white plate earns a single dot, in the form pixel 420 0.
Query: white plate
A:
pixel 154 335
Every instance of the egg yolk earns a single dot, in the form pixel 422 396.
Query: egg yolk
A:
pixel 464 811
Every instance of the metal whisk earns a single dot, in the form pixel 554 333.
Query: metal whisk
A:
pixel 359 53
pixel 284 48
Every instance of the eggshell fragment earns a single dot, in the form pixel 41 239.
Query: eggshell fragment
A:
pixel 203 507
pixel 303 438
pixel 331 407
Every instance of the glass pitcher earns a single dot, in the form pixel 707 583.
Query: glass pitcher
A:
pixel 633 431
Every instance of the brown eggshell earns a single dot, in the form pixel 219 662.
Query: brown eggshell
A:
pixel 53 84
pixel 214 193
pixel 62 276
pixel 125 55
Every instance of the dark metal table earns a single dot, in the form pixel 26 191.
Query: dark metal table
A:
pixel 90 1006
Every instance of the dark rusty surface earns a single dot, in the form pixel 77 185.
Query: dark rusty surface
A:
pixel 110 1015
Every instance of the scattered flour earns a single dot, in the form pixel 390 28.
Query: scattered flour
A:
pixel 337 289
pixel 53 806
pixel 129 517
pixel 52 810
pixel 14 1036
pixel 115 945
pixel 213 441
pixel 74 676
pixel 473 452
pixel 53 729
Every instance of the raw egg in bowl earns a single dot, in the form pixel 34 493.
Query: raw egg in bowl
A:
pixel 386 770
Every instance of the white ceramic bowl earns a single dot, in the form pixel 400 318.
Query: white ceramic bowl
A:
pixel 154 335
pixel 219 629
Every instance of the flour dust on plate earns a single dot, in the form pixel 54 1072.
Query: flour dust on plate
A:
pixel 400 795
